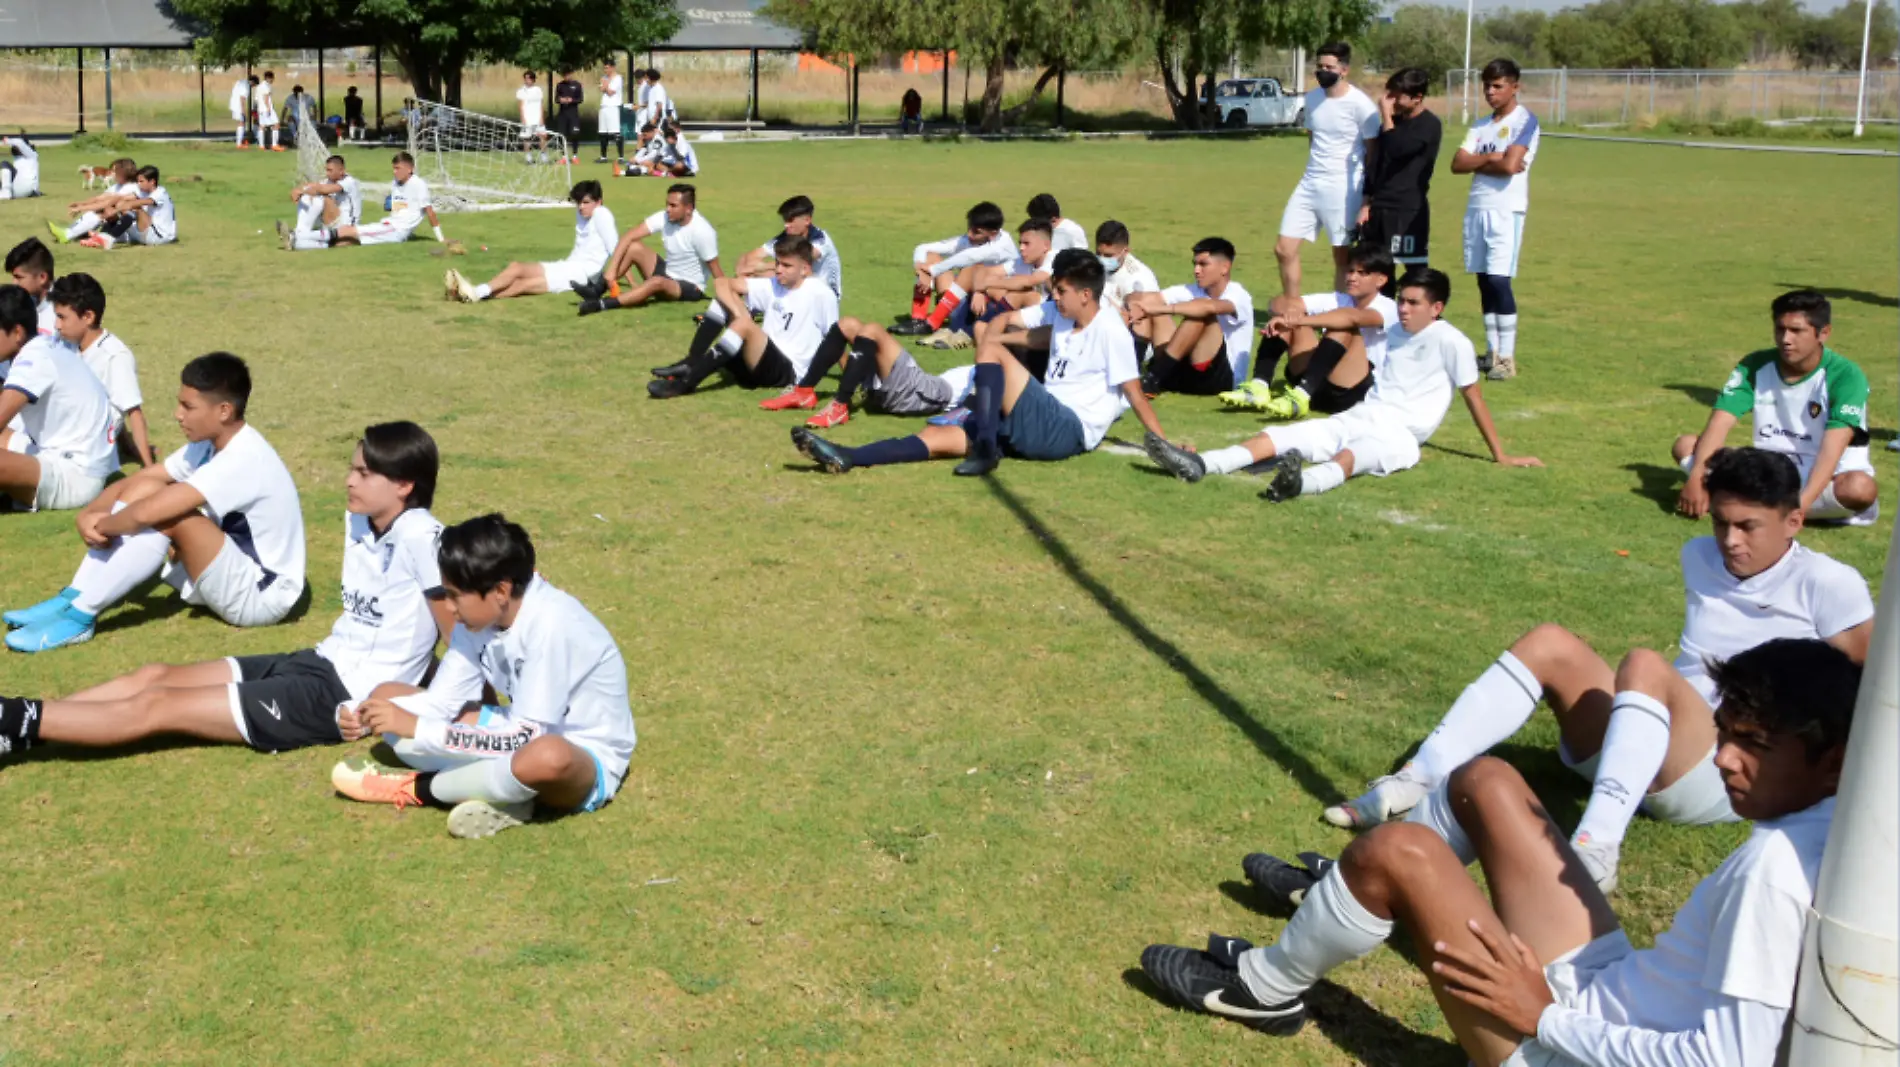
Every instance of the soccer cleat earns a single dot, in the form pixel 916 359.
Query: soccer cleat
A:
pixel 955 340
pixel 898 320
pixel 463 290
pixel 1173 458
pixel 59 235
pixel 954 417
pixel 1198 982
pixel 591 307
pixel 43 611
pixel 671 370
pixel 913 328
pixel 364 779
pixel 70 627
pixel 1285 483
pixel 478 818
pixel 820 451
pixel 1486 361
pixel 1252 396
pixel 1389 798
pixel 1503 370
pixel 835 413
pixel 1291 404
pixel 449 291
pixel 590 289
pixel 91 240
pixel 1226 951
pixel 980 462
pixel 1600 859
pixel 1285 884
pixel 284 240
pixel 797 397
pixel 667 388
pixel 935 338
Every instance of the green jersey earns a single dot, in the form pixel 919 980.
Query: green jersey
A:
pixel 1791 417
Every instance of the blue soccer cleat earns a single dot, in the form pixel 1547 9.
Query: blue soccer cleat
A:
pixel 72 627
pixel 42 611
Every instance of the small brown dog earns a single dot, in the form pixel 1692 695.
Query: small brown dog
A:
pixel 101 176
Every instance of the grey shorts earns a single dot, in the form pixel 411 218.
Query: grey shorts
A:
pixel 910 390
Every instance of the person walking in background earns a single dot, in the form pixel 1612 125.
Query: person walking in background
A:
pixel 911 112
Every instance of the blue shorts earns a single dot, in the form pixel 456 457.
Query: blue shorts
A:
pixel 604 787
pixel 1041 427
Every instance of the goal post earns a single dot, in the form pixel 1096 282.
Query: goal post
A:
pixel 476 162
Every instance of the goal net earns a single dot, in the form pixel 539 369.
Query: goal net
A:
pixel 476 162
pixel 311 151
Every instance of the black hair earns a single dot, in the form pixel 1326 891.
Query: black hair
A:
pixel 1434 282
pixel 794 247
pixel 18 311
pixel 654 73
pixel 1043 206
pixel 1218 247
pixel 529 74
pixel 669 131
pixel 984 216
pixel 1806 302
pixel 31 255
pixel 403 452
pixel 1500 68
pixel 338 160
pixel 1111 233
pixel 586 190
pixel 1372 259
pixel 271 74
pixel 687 193
pixel 222 378
pixel 403 157
pixel 1790 687
pixel 1036 225
pixel 478 555
pixel 1754 475
pixel 149 173
pixel 350 90
pixel 796 207
pixel 1408 81
pixel 649 126
pixel 296 89
pixel 81 293
pixel 255 79
pixel 1339 50
pixel 1080 268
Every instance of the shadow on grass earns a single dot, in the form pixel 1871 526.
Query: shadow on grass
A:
pixel 157 602
pixel 1858 296
pixel 55 750
pixel 1703 395
pixel 1354 1026
pixel 1309 777
pixel 1660 484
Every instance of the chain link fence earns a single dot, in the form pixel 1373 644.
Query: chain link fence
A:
pixel 1633 97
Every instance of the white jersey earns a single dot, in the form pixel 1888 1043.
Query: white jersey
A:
pixel 557 666
pixel 1719 983
pixel 67 412
pixel 1020 267
pixel 1131 276
pixel 262 99
pixel 658 104
pixel 406 201
pixel 594 240
pixel 688 247
pixel 1497 134
pixel 250 495
pixel 47 318
pixel 959 253
pixel 825 263
pixel 1420 373
pixel 26 166
pixel 1067 233
pixel 1373 336
pixel 1805 594
pixel 1087 366
pixel 241 100
pixel 112 363
pixel 678 153
pixel 529 98
pixel 1340 127
pixel 1236 329
pixel 386 632
pixel 796 320
pixel 162 212
pixel 348 200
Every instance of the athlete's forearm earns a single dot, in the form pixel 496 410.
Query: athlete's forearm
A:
pixel 1714 435
pixel 168 505
pixel 1143 410
pixel 1204 308
pixel 1481 417
pixel 141 439
pixel 1833 445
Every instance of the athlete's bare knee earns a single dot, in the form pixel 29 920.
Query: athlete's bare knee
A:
pixel 1375 865
pixel 1856 491
pixel 1645 670
pixel 1684 447
pixel 1483 782
pixel 544 760
pixel 1546 646
pixel 849 326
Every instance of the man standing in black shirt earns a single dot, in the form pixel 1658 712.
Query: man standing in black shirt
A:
pixel 567 120
pixel 1397 217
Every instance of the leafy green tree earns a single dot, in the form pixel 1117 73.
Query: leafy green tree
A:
pixel 434 40
pixel 1430 37
pixel 1517 34
pixel 1193 39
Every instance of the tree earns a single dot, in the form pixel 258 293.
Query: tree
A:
pixel 435 39
pixel 1192 38
pixel 1431 38
pixel 1517 34
pixel 1666 34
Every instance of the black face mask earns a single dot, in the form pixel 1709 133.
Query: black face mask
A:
pixel 1326 78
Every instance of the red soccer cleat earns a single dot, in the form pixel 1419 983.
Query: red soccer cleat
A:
pixel 796 397
pixel 834 414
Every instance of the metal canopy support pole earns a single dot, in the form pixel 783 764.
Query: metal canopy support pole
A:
pixel 752 105
pixel 108 88
pixel 323 108
pixel 1062 77
pixel 379 90
pixel 204 114
pixel 1860 98
pixel 857 116
pixel 946 85
pixel 82 88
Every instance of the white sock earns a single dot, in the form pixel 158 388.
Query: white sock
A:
pixel 1227 460
pixel 123 566
pixel 1330 929
pixel 1633 749
pixel 482 291
pixel 957 291
pixel 1490 334
pixel 309 212
pixel 406 750
pixel 492 780
pixel 273 137
pixel 716 312
pixel 1435 814
pixel 85 225
pixel 1490 709
pixel 305 240
pixel 1321 478
pixel 240 135
pixel 729 343
pixel 1507 336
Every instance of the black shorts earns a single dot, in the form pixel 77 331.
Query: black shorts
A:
pixel 688 290
pixel 1214 378
pixel 1406 233
pixel 773 370
pixel 287 700
pixel 1333 399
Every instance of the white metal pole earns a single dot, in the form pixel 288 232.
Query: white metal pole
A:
pixel 1845 1010
pixel 1465 75
pixel 1860 101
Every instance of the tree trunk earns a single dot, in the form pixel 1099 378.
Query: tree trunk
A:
pixel 993 93
pixel 1016 113
pixel 1182 100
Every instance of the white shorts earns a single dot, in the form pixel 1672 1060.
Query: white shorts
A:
pixel 561 274
pixel 155 236
pixel 1312 208
pixel 1569 977
pixel 267 118
pixel 25 183
pixel 1492 242
pixel 1698 798
pixel 610 120
pixel 64 485
pixel 236 589
pixel 1855 460
pixel 1379 445
pixel 383 233
pixel 532 130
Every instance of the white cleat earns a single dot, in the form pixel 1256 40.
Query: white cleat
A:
pixel 1390 797
pixel 463 290
pixel 448 285
pixel 478 818
pixel 1600 859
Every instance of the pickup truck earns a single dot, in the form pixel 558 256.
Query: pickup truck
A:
pixel 1257 102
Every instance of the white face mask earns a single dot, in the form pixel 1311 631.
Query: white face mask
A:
pixel 1111 264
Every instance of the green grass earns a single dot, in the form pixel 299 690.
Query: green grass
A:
pixel 924 762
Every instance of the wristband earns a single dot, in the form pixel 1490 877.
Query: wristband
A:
pixel 438 234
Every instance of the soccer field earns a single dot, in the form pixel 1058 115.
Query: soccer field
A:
pixel 924 761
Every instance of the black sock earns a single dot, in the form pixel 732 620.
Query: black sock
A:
pixel 858 371
pixel 704 337
pixel 1319 366
pixel 1142 347
pixel 986 407
pixel 1160 369
pixel 830 351
pixel 603 147
pixel 1267 359
pixel 425 791
pixel 702 366
pixel 620 146
pixel 891 450
pixel 19 724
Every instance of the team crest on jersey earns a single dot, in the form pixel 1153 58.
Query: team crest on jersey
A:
pixel 1814 409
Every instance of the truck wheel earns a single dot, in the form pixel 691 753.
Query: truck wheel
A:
pixel 1236 118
